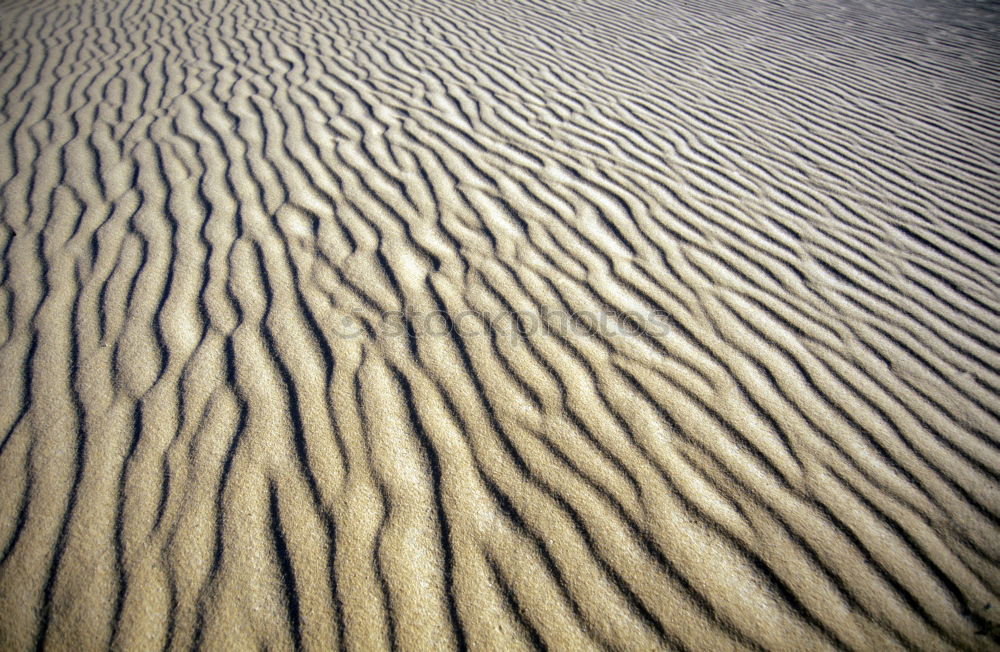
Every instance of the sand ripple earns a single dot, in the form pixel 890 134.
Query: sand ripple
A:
pixel 451 324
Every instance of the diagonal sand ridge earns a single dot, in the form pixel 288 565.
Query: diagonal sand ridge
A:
pixel 454 324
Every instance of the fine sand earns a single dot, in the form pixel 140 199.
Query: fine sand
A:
pixel 442 324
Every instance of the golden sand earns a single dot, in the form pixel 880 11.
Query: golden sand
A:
pixel 437 324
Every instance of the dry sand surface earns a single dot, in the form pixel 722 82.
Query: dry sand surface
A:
pixel 500 325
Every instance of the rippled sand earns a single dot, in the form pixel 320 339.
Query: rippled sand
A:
pixel 499 325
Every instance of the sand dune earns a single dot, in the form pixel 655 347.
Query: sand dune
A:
pixel 426 325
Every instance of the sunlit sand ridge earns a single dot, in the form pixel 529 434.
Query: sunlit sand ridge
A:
pixel 442 324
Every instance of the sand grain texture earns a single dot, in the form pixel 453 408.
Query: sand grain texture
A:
pixel 263 383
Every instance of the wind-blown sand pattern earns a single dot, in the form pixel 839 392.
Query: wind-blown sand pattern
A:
pixel 262 384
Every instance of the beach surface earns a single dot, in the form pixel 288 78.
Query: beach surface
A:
pixel 449 324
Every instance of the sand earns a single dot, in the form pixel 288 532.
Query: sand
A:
pixel 453 324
